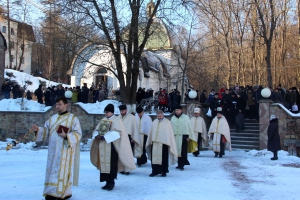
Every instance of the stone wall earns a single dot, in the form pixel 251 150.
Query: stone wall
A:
pixel 16 125
pixel 289 129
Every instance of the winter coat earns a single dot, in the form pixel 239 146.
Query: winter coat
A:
pixel 28 95
pixel 241 104
pixel 203 98
pixel 273 136
pixel 74 96
pixel 277 97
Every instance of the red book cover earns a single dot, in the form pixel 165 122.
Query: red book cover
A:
pixel 61 127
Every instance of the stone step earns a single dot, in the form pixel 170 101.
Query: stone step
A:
pixel 245 142
pixel 244 135
pixel 245 147
pixel 244 138
pixel 232 131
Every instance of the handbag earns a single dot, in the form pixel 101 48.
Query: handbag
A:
pixel 294 108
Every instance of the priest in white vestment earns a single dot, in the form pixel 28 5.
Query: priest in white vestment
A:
pixel 144 123
pixel 131 127
pixel 200 131
pixel 64 132
pixel 111 157
pixel 161 146
pixel 220 134
pixel 184 137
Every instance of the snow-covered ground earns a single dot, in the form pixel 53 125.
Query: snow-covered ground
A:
pixel 238 175
pixel 21 77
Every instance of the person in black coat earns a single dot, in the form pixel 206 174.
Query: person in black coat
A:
pixel 39 94
pixel 239 118
pixel 273 137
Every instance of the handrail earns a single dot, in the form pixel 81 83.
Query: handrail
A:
pixel 286 110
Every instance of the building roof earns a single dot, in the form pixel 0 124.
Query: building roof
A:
pixel 28 30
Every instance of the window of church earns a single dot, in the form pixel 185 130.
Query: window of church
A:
pixel 3 29
pixel 12 32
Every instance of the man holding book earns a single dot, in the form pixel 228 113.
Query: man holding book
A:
pixel 113 155
pixel 64 132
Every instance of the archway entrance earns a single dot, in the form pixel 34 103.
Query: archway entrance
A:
pixel 100 78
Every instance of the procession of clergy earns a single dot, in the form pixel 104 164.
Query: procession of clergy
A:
pixel 118 139
pixel 164 142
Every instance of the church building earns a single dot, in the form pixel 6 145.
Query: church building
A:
pixel 159 64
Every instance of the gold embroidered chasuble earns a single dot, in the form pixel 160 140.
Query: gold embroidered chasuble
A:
pixel 144 126
pixel 132 129
pixel 199 126
pixel 161 133
pixel 101 151
pixel 220 127
pixel 63 154
pixel 182 126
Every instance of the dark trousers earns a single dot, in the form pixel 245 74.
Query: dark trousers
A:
pixel 252 112
pixel 110 178
pixel 231 119
pixel 143 159
pixel 131 143
pixel 256 111
pixel 199 145
pixel 222 148
pixel 183 159
pixel 164 167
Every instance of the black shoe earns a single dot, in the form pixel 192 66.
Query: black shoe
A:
pixel 152 174
pixel 220 156
pixel 195 154
pixel 122 172
pixel 48 197
pixel 274 158
pixel 177 167
pixel 68 197
pixel 181 169
pixel 163 175
pixel 139 165
pixel 126 173
pixel 110 186
pixel 216 154
pixel 105 186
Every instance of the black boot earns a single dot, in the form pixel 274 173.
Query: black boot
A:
pixel 110 186
pixel 216 154
pixel 105 186
pixel 275 157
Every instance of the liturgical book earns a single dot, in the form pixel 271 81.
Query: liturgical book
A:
pixel 111 136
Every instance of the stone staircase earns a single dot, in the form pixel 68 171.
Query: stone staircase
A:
pixel 247 139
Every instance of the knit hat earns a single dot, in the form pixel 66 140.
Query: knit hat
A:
pixel 139 109
pixel 110 108
pixel 123 107
pixel 272 117
pixel 196 110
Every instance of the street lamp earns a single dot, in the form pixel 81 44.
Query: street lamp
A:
pixel 68 94
pixel 266 93
pixel 192 94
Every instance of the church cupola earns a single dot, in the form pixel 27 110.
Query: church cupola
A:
pixel 150 8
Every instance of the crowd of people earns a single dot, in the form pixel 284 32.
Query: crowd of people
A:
pixel 165 101
pixel 48 95
pixel 241 103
